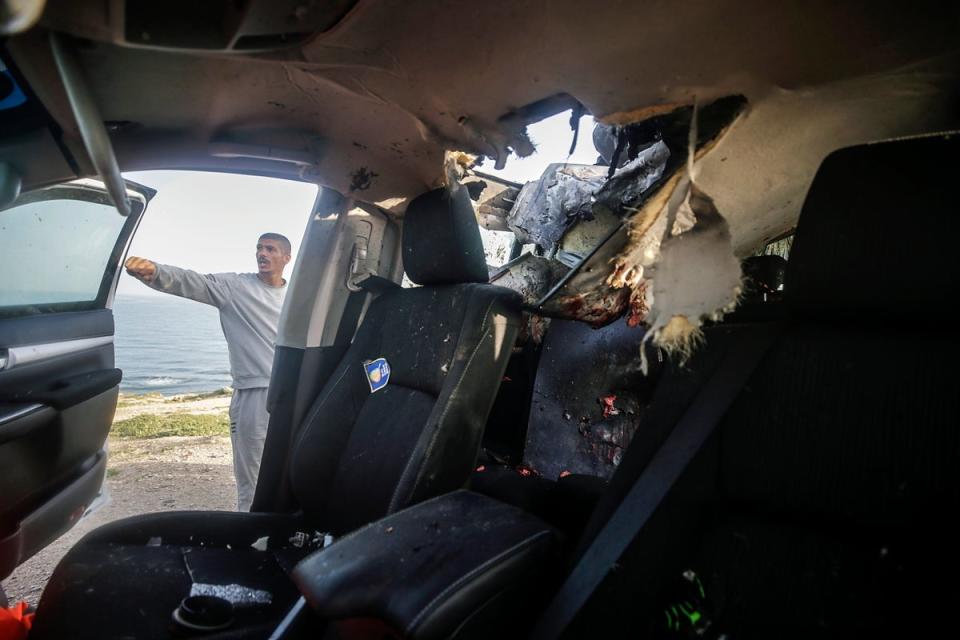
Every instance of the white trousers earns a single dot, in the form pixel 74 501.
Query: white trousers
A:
pixel 248 431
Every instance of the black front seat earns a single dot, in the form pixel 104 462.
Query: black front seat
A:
pixel 360 455
pixel 822 504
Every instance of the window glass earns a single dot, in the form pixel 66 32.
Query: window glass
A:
pixel 55 251
pixel 780 248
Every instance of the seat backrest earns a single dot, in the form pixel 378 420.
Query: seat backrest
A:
pixel 821 495
pixel 855 414
pixel 363 454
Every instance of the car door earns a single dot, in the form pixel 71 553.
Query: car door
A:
pixel 61 249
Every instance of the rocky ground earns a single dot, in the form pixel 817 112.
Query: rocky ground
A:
pixel 146 475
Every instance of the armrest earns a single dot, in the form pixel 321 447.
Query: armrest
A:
pixel 67 392
pixel 428 568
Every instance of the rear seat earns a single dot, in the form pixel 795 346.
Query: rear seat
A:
pixel 822 505
pixel 569 449
pixel 567 501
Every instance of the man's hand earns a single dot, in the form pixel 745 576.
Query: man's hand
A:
pixel 141 268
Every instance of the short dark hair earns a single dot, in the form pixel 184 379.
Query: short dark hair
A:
pixel 284 242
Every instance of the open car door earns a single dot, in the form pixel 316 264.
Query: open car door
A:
pixel 62 248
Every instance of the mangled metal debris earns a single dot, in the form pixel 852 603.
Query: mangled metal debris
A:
pixel 633 179
pixel 645 241
pixel 546 208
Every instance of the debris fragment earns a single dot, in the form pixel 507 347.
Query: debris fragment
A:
pixel 634 178
pixel 299 539
pixel 607 404
pixel 679 337
pixel 260 544
pixel 564 474
pixel 547 207
pixel 526 471
pixel 638 309
pixel 584 426
pixel 236 594
pixel 575 115
pixel 480 468
pixel 455 167
pixel 361 179
pixel 475 188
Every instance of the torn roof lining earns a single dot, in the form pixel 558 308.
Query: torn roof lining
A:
pixel 375 75
pixel 674 127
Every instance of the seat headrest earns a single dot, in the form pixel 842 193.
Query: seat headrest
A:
pixel 441 239
pixel 877 232
pixel 763 274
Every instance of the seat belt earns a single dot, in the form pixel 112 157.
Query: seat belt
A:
pixel 376 284
pixel 656 480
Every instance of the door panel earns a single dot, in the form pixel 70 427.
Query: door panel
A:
pixel 58 383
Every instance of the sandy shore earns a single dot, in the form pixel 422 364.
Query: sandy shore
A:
pixel 147 475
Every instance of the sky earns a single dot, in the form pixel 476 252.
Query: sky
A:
pixel 210 222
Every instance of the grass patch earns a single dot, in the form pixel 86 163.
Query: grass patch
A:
pixel 112 472
pixel 173 424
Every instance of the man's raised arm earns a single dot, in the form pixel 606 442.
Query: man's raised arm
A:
pixel 207 288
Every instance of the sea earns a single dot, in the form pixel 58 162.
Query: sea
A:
pixel 169 345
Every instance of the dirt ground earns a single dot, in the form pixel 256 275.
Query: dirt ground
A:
pixel 145 475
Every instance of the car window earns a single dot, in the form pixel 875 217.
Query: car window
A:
pixel 56 251
pixel 779 247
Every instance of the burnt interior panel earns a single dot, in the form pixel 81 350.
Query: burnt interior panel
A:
pixel 587 398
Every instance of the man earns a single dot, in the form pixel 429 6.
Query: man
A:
pixel 249 305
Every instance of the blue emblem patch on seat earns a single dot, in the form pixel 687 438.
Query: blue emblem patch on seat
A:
pixel 378 373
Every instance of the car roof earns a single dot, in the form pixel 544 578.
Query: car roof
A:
pixel 370 105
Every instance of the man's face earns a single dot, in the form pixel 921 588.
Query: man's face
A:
pixel 271 257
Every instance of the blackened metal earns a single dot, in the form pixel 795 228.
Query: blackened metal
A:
pixel 615 159
pixel 475 188
pixel 575 114
pixel 536 111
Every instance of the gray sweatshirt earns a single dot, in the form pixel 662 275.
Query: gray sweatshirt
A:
pixel 249 313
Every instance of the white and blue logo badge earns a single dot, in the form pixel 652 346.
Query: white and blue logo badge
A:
pixel 378 373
